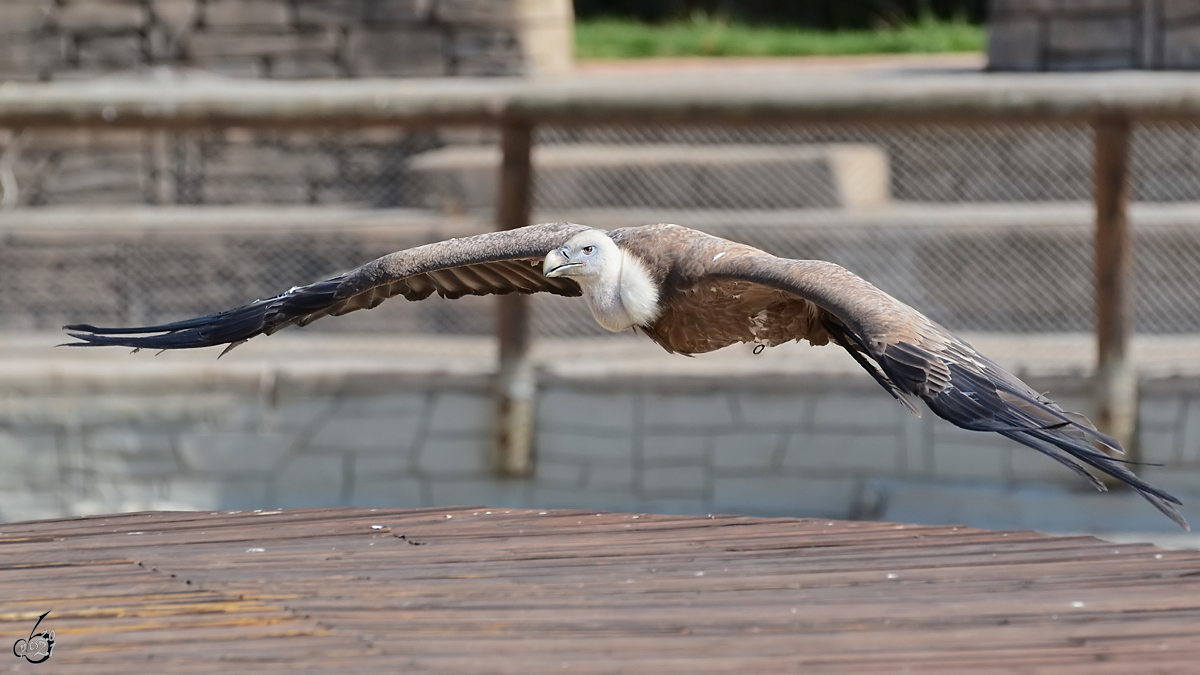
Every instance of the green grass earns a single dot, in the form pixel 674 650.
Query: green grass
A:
pixel 701 36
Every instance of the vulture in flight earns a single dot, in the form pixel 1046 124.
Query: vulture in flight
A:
pixel 691 293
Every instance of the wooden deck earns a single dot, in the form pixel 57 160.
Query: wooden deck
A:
pixel 508 591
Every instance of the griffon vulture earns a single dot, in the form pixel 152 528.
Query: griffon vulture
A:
pixel 691 293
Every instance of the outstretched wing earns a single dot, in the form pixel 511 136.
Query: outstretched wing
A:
pixel 908 354
pixel 485 264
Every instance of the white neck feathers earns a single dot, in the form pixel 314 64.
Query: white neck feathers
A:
pixel 623 295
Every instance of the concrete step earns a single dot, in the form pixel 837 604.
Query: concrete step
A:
pixel 852 176
pixel 982 267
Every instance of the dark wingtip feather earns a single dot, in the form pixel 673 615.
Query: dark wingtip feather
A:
pixel 980 402
pixel 232 326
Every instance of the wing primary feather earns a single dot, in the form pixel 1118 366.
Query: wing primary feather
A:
pixel 414 273
pixel 839 335
pixel 969 405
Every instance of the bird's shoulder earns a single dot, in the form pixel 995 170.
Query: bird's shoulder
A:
pixel 669 250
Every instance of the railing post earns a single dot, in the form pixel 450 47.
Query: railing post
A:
pixel 516 385
pixel 1116 379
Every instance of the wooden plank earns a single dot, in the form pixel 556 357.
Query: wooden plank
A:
pixel 724 98
pixel 513 591
pixel 1116 378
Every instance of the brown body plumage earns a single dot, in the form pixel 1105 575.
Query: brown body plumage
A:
pixel 691 293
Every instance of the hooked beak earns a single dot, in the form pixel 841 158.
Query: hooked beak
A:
pixel 558 263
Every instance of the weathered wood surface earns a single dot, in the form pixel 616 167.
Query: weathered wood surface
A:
pixel 730 98
pixel 508 591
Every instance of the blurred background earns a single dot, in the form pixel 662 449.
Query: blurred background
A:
pixel 987 228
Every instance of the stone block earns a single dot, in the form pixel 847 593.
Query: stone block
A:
pixel 1159 446
pixel 29 461
pixel 782 495
pixel 23 17
pixel 395 52
pixel 97 16
pixel 1178 10
pixel 686 411
pixel 1084 35
pixel 599 500
pixel 383 12
pixel 304 66
pixel 674 481
pixel 479 491
pixel 669 176
pixel 984 460
pixel 488 12
pixel 1089 8
pixel 1015 44
pixel 571 411
pixel 400 492
pixel 176 16
pixel 382 467
pixel 383 435
pixel 462 414
pixel 135 466
pixel 353 13
pixel 335 12
pixel 37 55
pixel 236 66
pixel 20 506
pixel 441 456
pixel 1006 8
pixel 788 411
pixel 129 441
pixel 1071 61
pixel 1160 411
pixel 848 412
pixel 234 452
pixel 1181 48
pixel 610 478
pixel 485 53
pixel 215 47
pixel 310 480
pixel 107 53
pixel 670 449
pixel 243 13
pixel 844 452
pixel 918 454
pixel 683 506
pixel 748 450
pixel 298 413
pixel 1190 443
pixel 565 475
pixel 555 445
pixel 199 493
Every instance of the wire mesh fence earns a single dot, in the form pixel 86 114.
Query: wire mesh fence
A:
pixel 984 228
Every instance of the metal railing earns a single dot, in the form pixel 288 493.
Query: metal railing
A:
pixel 1110 103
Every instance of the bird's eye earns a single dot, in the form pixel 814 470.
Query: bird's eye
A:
pixel 588 250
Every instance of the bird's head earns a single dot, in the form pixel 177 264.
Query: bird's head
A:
pixel 587 254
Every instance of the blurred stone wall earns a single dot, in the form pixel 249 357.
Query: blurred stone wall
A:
pixel 64 40
pixel 1094 34
pixel 283 39
pixel 125 434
